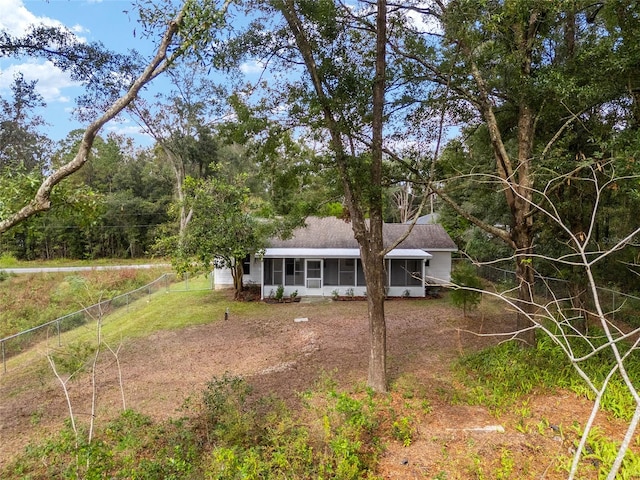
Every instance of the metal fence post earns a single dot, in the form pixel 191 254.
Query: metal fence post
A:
pixel 613 304
pixel 4 362
pixel 58 328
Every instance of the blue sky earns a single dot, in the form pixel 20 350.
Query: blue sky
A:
pixel 93 21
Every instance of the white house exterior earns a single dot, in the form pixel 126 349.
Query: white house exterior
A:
pixel 323 258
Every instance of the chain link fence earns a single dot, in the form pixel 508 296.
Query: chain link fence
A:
pixel 617 305
pixel 168 282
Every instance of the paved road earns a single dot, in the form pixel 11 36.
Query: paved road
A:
pixel 80 269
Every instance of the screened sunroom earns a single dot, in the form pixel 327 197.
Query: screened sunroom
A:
pixel 325 272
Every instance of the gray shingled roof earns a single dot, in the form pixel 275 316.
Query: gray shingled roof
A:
pixel 331 232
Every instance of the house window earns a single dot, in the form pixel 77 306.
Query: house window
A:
pixel 273 271
pixel 294 271
pixel 406 272
pixel 331 271
pixel 360 275
pixel 347 271
pixel 340 272
pixel 246 265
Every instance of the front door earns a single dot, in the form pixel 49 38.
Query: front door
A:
pixel 314 277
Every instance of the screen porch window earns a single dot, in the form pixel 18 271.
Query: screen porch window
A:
pixel 294 271
pixel 246 265
pixel 273 271
pixel 406 272
pixel 340 272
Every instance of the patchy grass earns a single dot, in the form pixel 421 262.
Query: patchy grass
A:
pixel 188 303
pixel 260 426
pixel 175 310
pixel 500 376
pixel 34 299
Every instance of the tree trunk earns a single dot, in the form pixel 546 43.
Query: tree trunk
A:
pixel 521 210
pixel 361 201
pixel 525 278
pixel 377 377
pixel 375 255
pixel 577 292
pixel 237 273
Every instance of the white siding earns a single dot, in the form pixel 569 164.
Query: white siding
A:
pixel 222 277
pixel 255 274
pixel 439 269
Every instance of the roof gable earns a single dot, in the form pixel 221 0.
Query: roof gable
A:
pixel 332 232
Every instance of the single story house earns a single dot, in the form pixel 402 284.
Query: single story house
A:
pixel 323 258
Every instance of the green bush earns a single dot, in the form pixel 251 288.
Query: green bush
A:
pixel 227 416
pixel 464 275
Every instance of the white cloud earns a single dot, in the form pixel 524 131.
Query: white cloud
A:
pixel 78 29
pixel 51 80
pixel 424 23
pixel 253 66
pixel 16 19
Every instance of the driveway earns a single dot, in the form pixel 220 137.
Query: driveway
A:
pixel 80 269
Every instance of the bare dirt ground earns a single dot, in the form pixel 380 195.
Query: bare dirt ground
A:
pixel 281 356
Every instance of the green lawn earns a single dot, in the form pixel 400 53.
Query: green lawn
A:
pixel 184 304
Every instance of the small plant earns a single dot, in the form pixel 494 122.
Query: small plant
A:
pixel 406 293
pixel 403 430
pixel 279 293
pixel 294 294
pixel 227 415
pixel 335 294
pixel 72 358
pixel 272 294
pixel 350 292
pixel 543 426
pixel 506 464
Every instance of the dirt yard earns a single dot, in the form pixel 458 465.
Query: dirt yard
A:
pixel 283 356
